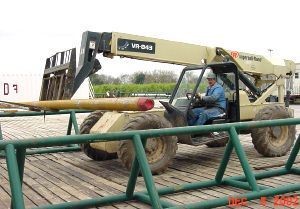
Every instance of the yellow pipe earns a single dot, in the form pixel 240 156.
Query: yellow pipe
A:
pixel 118 104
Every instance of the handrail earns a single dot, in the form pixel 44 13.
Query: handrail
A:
pixel 72 124
pixel 15 155
pixel 116 136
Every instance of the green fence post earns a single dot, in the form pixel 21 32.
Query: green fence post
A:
pixel 293 155
pixel 21 152
pixel 72 122
pixel 224 162
pixel 1 136
pixel 2 153
pixel 135 169
pixel 243 159
pixel 14 177
pixel 146 171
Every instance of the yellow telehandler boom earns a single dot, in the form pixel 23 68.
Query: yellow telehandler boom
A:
pixel 113 44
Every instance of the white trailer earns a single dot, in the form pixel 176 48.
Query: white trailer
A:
pixel 20 87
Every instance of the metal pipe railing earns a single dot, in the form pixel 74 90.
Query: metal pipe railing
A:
pixel 117 136
pixel 15 164
pixel 71 124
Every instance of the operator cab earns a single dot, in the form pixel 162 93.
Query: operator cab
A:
pixel 192 81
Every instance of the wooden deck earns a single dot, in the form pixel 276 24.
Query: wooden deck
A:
pixel 62 177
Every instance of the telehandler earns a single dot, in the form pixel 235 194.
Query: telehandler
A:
pixel 248 80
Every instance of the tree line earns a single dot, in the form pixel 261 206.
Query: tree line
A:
pixel 140 77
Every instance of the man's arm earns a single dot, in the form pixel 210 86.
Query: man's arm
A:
pixel 217 93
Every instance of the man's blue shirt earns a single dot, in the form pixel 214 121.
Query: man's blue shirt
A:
pixel 215 96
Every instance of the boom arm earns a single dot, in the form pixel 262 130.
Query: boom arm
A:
pixel 159 50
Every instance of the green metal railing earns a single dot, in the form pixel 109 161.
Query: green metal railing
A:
pixel 71 124
pixel 16 149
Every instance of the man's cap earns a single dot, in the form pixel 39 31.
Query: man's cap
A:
pixel 211 75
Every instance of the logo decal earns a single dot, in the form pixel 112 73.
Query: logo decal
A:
pixel 234 54
pixel 136 46
pixel 246 57
pixel 124 46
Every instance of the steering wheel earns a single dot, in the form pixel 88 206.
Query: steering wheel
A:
pixel 188 95
pixel 197 97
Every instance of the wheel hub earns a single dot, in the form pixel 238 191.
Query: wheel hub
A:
pixel 154 149
pixel 276 131
pixel 278 135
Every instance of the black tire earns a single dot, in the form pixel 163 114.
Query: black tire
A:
pixel 273 141
pixel 160 151
pixel 218 143
pixel 85 128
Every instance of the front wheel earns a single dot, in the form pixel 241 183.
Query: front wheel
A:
pixel 85 128
pixel 277 140
pixel 159 151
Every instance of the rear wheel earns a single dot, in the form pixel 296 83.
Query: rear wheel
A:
pixel 160 150
pixel 277 140
pixel 85 128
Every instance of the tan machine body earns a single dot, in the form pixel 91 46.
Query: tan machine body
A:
pixel 185 54
pixel 262 69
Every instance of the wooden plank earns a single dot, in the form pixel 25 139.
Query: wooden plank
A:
pixel 4 197
pixel 123 178
pixel 30 198
pixel 177 174
pixel 91 180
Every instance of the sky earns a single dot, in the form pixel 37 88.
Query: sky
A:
pixel 32 30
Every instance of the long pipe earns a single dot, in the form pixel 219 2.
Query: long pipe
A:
pixel 118 104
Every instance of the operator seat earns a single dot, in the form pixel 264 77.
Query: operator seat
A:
pixel 222 118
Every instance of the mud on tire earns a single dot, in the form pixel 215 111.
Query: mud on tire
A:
pixel 85 128
pixel 218 143
pixel 273 141
pixel 160 151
